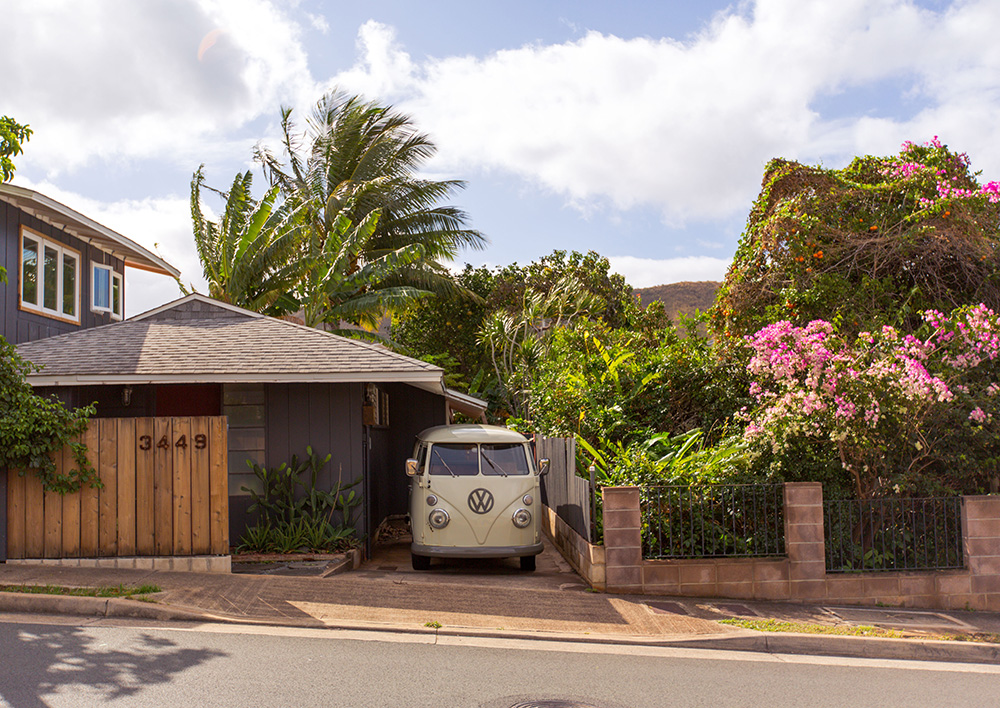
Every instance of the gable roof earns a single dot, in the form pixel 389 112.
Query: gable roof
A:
pixel 86 229
pixel 199 340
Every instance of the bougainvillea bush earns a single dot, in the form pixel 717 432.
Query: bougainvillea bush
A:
pixel 873 244
pixel 883 411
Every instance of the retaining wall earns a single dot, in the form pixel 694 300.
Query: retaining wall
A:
pixel 801 574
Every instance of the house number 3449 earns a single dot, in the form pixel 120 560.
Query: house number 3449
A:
pixel 146 442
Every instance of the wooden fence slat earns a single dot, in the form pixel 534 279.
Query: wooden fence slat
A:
pixel 108 521
pixel 219 485
pixel 71 512
pixel 144 525
pixel 163 488
pixel 53 514
pixel 90 497
pixel 181 446
pixel 16 513
pixel 126 487
pixel 201 460
pixel 165 492
pixel 34 516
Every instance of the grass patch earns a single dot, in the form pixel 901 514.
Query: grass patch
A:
pixel 433 625
pixel 136 592
pixel 773 625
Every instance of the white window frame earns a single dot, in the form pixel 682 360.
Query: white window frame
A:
pixel 61 250
pixel 114 278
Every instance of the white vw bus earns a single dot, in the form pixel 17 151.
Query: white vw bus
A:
pixel 474 494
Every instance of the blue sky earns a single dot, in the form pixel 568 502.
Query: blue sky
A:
pixel 637 129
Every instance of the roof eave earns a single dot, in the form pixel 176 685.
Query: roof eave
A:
pixel 86 229
pixel 429 380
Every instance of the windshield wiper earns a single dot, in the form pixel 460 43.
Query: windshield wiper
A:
pixel 444 463
pixel 493 465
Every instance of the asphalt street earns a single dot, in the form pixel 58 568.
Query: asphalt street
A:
pixel 56 662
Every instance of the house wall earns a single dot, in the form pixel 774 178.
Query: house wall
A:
pixel 271 422
pixel 801 575
pixel 411 410
pixel 18 325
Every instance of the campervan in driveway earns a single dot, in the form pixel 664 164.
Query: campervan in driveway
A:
pixel 474 493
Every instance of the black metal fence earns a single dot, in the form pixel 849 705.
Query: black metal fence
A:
pixel 713 521
pixel 893 534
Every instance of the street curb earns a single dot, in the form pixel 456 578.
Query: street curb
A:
pixel 92 607
pixel 748 641
pixel 847 646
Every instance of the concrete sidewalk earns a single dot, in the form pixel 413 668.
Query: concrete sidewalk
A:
pixel 494 598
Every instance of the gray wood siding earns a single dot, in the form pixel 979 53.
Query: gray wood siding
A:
pixel 410 411
pixel 17 325
pixel 324 416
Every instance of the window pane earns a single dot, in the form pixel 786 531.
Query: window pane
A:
pixel 504 459
pixel 69 285
pixel 50 279
pixel 454 459
pixel 29 272
pixel 116 295
pixel 102 287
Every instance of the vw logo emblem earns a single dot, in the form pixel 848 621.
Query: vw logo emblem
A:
pixel 481 501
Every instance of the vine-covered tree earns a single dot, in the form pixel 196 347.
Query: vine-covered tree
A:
pixel 872 244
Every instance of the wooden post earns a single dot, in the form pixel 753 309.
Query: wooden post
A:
pixel 108 472
pixel 181 446
pixel 90 497
pixel 145 529
pixel 126 487
pixel 219 485
pixel 71 513
pixel 16 488
pixel 201 461
pixel 163 488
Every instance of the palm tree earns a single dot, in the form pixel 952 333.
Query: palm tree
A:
pixel 250 255
pixel 357 158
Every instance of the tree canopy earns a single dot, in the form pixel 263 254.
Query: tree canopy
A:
pixel 872 244
pixel 348 231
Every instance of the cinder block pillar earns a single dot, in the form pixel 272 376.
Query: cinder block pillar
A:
pixel 3 514
pixel 804 540
pixel 622 539
pixel 981 528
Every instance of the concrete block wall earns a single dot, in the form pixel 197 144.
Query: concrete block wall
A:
pixel 586 558
pixel 801 573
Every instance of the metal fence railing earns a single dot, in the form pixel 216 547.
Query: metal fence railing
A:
pixel 713 521
pixel 893 534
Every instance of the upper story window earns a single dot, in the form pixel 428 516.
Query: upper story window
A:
pixel 107 290
pixel 50 277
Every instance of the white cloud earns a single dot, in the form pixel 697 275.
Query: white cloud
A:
pixel 646 272
pixel 124 80
pixel 687 127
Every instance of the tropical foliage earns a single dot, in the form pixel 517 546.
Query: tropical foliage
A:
pixel 12 136
pixel 346 232
pixel 873 244
pixel 33 427
pixel 294 514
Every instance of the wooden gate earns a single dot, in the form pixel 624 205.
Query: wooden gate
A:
pixel 165 494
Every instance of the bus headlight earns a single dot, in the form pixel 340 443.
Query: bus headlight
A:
pixel 431 500
pixel 438 518
pixel 527 499
pixel 521 518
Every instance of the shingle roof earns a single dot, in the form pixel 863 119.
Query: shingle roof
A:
pixel 198 340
